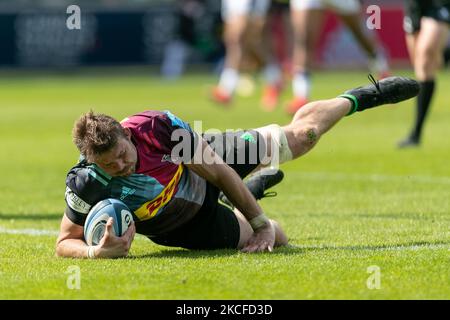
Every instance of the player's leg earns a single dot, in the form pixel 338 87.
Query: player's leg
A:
pixel 257 17
pixel 272 73
pixel 377 60
pixel 411 41
pixel 246 231
pixel 312 121
pixel 235 15
pixel 430 44
pixel 426 46
pixel 306 18
pixel 316 118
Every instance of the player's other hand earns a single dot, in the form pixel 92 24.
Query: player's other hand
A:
pixel 263 239
pixel 111 246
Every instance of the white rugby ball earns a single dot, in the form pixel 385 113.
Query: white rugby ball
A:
pixel 95 225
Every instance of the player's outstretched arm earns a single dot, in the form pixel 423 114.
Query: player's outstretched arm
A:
pixel 71 244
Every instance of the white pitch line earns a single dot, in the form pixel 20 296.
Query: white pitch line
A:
pixel 29 232
pixel 372 177
pixel 41 232
pixel 414 247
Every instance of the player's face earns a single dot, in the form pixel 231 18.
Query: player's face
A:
pixel 121 160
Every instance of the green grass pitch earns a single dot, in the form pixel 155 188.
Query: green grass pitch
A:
pixel 354 202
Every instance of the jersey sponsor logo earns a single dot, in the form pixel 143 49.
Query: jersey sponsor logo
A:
pixel 149 209
pixel 126 192
pixel 76 203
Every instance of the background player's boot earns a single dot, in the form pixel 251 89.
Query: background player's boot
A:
pixel 409 142
pixel 270 97
pixel 259 183
pixel 219 96
pixel 379 66
pixel 295 104
pixel 385 91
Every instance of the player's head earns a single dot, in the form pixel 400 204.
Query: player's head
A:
pixel 103 141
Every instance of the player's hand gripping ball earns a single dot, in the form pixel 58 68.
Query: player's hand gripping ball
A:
pixel 95 225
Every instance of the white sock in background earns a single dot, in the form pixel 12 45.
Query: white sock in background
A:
pixel 379 64
pixel 175 54
pixel 301 85
pixel 229 80
pixel 272 74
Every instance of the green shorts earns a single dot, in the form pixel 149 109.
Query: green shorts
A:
pixel 416 9
pixel 215 225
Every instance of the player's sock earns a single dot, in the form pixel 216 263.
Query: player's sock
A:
pixel 386 91
pixel 423 105
pixel 378 64
pixel 272 74
pixel 229 80
pixel 301 84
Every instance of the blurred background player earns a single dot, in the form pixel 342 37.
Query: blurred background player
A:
pixel 306 16
pixel 176 52
pixel 426 26
pixel 244 21
pixel 197 25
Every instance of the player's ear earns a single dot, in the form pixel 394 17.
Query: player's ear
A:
pixel 127 132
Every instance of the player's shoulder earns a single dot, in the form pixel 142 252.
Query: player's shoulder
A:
pixel 85 185
pixel 151 119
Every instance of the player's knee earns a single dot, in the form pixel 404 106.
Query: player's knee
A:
pixel 426 56
pixel 307 135
pixel 302 137
pixel 232 41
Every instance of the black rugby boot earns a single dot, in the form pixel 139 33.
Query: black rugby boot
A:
pixel 259 183
pixel 386 91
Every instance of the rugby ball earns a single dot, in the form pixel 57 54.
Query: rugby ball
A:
pixel 95 225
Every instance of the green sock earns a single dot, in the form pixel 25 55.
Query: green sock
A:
pixel 354 102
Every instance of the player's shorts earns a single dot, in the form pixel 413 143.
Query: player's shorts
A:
pixel 340 6
pixel 416 9
pixel 253 8
pixel 215 226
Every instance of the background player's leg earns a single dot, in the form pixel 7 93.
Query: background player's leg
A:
pixel 426 49
pixel 306 24
pixel 235 15
pixel 377 60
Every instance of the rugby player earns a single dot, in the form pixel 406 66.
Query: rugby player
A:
pixel 173 192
